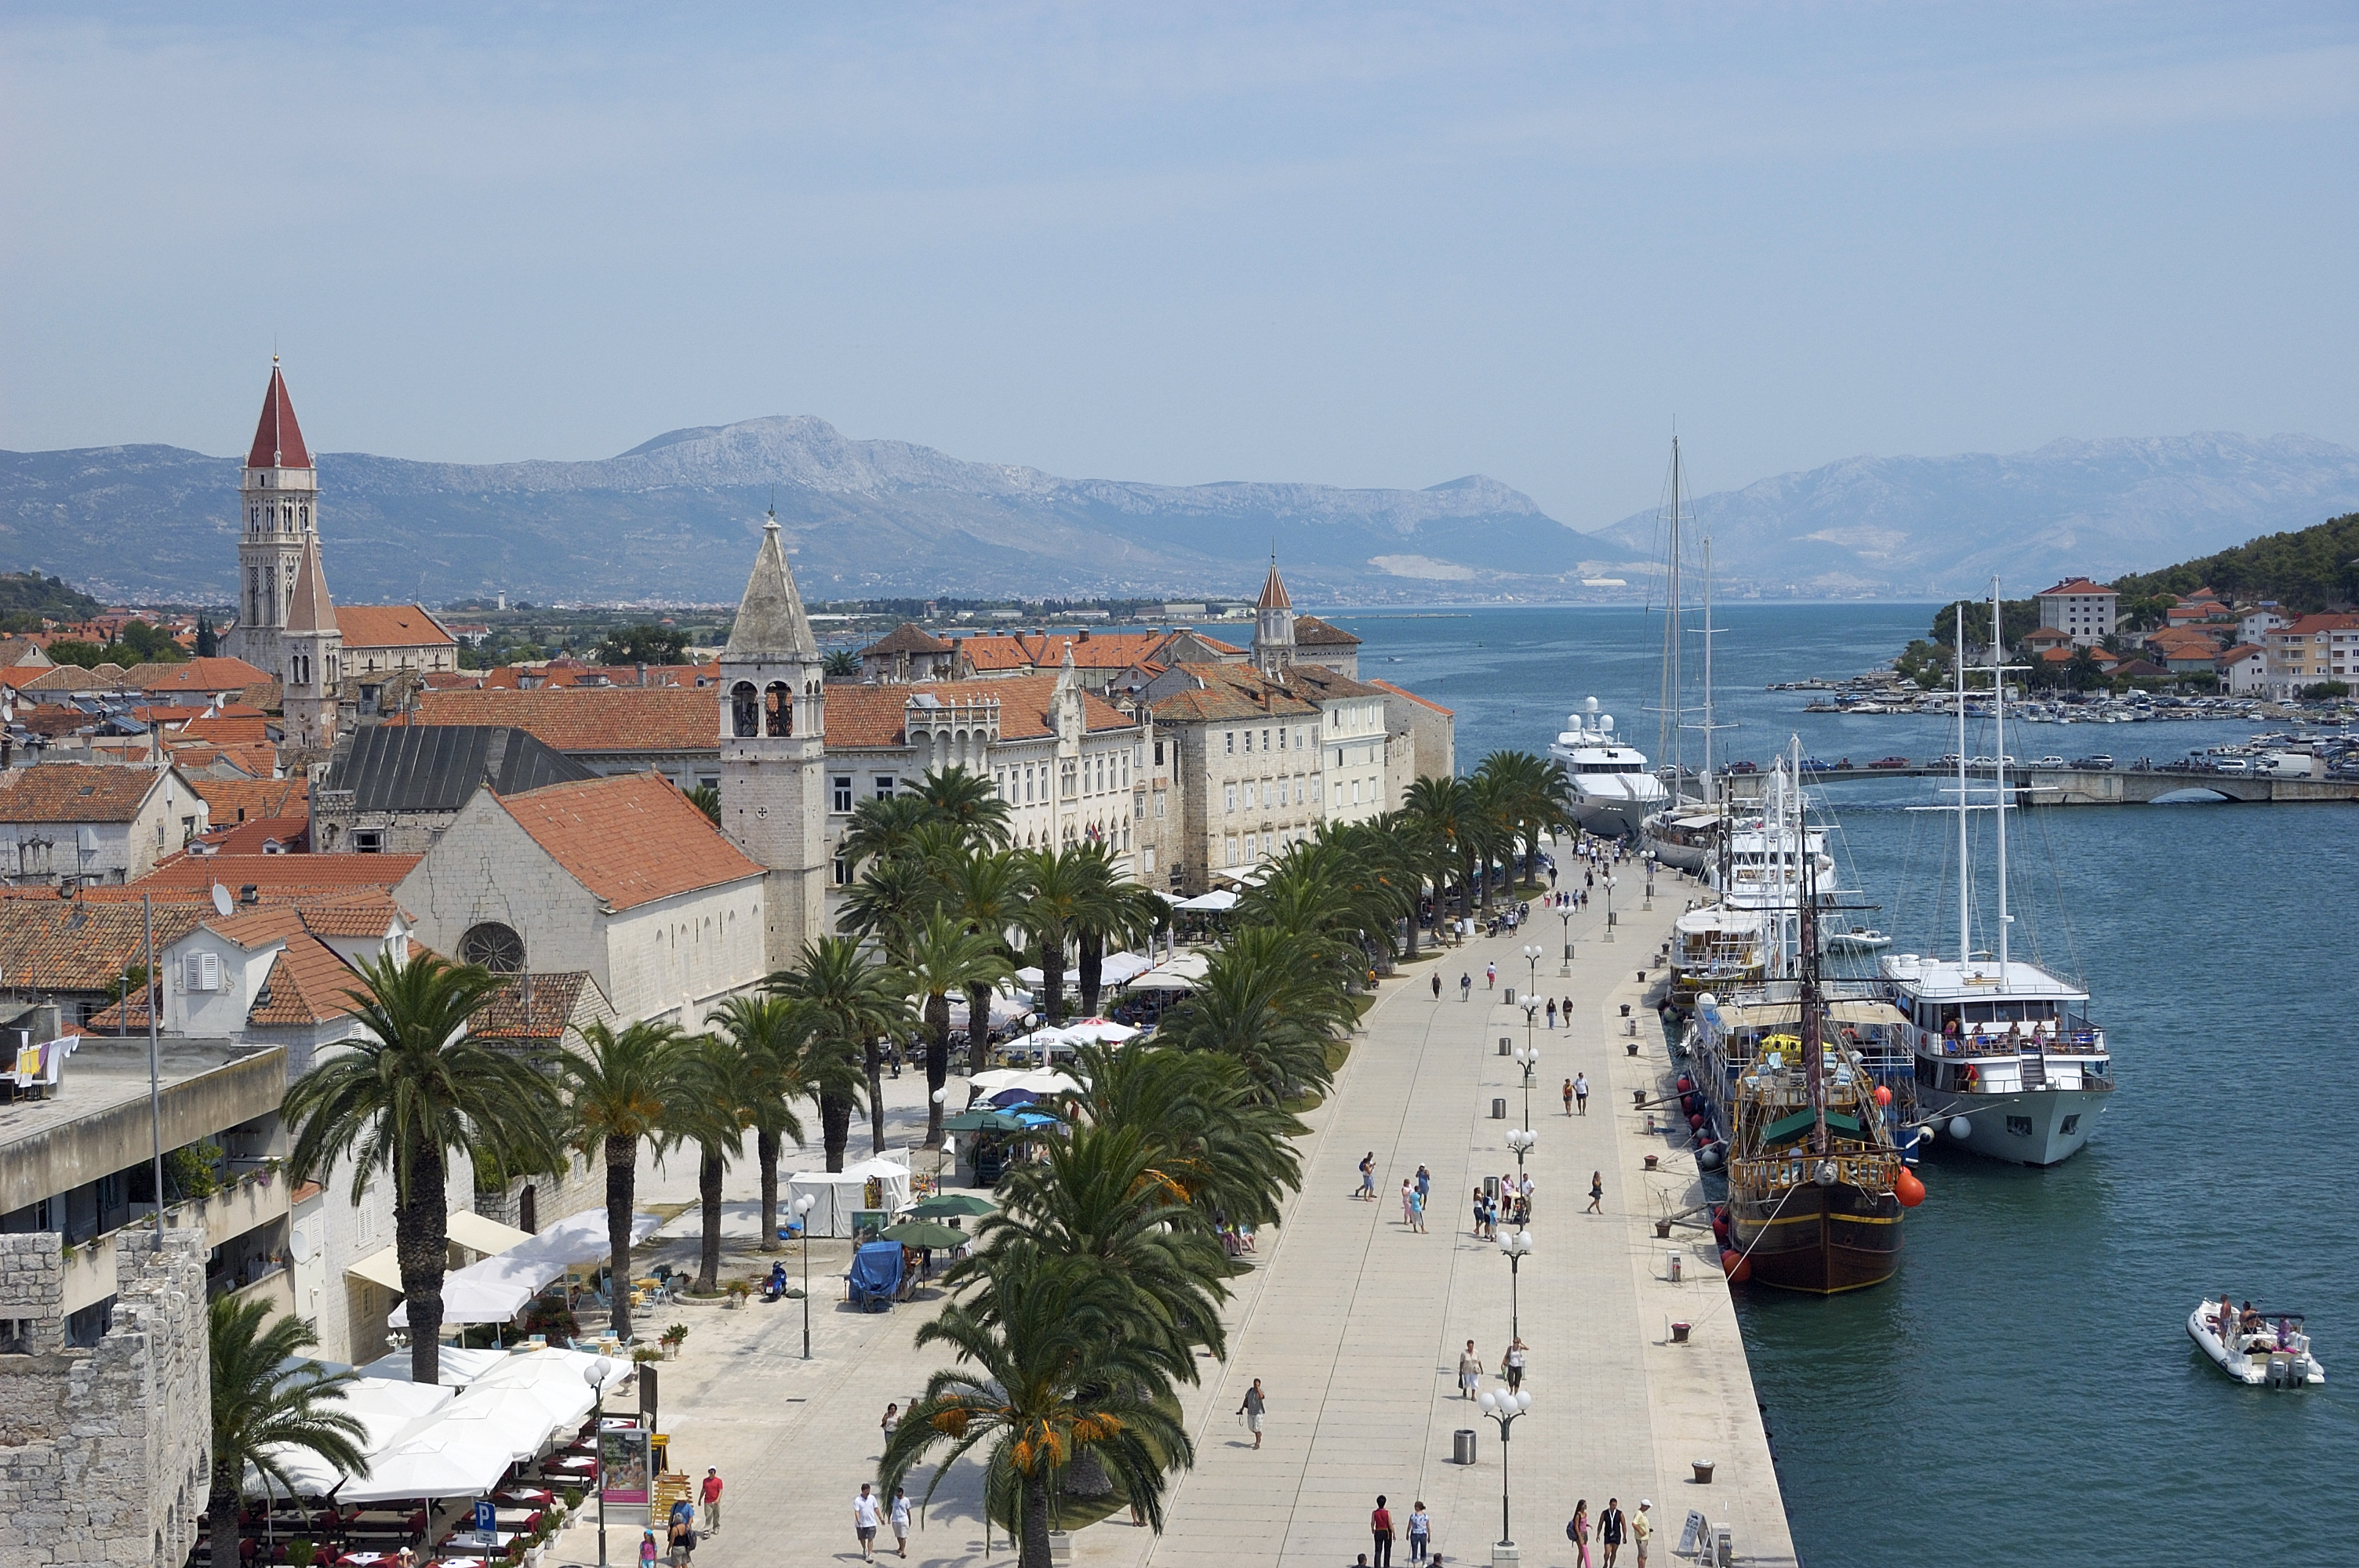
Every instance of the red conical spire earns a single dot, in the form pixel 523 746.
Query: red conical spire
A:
pixel 278 439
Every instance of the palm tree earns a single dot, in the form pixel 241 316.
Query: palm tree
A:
pixel 1445 805
pixel 768 1034
pixel 1113 909
pixel 1214 1136
pixel 1051 1381
pixel 939 958
pixel 1068 891
pixel 1491 827
pixel 706 799
pixel 893 894
pixel 841 663
pixel 970 803
pixel 710 1111
pixel 1264 1002
pixel 880 827
pixel 850 1002
pixel 1538 796
pixel 986 893
pixel 262 1407
pixel 406 1092
pixel 622 1087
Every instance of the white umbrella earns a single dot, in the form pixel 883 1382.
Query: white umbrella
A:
pixel 427 1466
pixel 1101 1032
pixel 1042 1043
pixel 507 1419
pixel 1217 901
pixel 497 1289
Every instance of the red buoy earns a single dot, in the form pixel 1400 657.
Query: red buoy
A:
pixel 1735 1265
pixel 1883 1095
pixel 1695 1121
pixel 1908 1189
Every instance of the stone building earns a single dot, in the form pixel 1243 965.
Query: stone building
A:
pixel 104 1447
pixel 607 729
pixel 84 822
pixel 393 788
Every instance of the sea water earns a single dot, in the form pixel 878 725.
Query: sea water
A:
pixel 2024 1391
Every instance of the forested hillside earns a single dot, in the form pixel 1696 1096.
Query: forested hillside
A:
pixel 2311 568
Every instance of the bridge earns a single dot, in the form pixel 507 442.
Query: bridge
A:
pixel 2086 786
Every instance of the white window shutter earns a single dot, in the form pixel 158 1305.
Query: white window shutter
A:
pixel 212 970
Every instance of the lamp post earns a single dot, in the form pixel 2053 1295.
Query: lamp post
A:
pixel 802 1216
pixel 1528 1057
pixel 594 1375
pixel 1650 859
pixel 1515 1248
pixel 1504 1408
pixel 1533 954
pixel 941 1098
pixel 1564 914
pixel 1608 881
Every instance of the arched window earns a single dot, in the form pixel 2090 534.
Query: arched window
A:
pixel 495 946
pixel 746 713
pixel 779 703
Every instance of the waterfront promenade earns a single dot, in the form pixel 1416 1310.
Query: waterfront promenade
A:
pixel 1353 1323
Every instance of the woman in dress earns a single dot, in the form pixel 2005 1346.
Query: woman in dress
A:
pixel 1578 1532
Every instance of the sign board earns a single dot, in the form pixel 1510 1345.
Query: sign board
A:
pixel 487 1518
pixel 1692 1535
pixel 626 1476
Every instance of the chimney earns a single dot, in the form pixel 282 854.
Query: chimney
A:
pixel 643 674
pixel 250 894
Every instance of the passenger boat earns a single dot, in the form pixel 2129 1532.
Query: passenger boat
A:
pixel 2262 1349
pixel 1858 939
pixel 1613 792
pixel 2009 1064
pixel 1716 949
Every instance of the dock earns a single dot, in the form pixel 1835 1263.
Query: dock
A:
pixel 2088 786
pixel 1355 1324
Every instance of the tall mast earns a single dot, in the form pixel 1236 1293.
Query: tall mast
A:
pixel 1813 1050
pixel 1708 630
pixel 1966 872
pixel 1998 718
pixel 1668 736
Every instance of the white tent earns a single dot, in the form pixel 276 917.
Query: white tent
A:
pixel 1120 966
pixel 497 1289
pixel 1219 901
pixel 1176 974
pixel 837 1196
pixel 427 1466
pixel 509 1420
pixel 456 1367
pixel 1101 1032
pixel 389 1411
pixel 1038 1081
pixel 1042 1046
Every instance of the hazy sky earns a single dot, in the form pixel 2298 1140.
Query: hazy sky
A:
pixel 1187 243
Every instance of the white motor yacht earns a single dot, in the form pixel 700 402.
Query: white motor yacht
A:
pixel 1613 792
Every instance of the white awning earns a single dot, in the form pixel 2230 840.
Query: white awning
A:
pixel 379 1268
pixel 497 1289
pixel 488 1237
pixel 1217 901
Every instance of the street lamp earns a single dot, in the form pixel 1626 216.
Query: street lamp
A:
pixel 1609 879
pixel 594 1375
pixel 1515 1248
pixel 1564 914
pixel 1649 858
pixel 802 1216
pixel 1533 954
pixel 941 1098
pixel 1528 1057
pixel 1504 1408
pixel 1522 1140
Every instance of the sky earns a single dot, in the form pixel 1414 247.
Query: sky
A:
pixel 1349 244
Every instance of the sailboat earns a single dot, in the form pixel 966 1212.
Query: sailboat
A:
pixel 2009 1063
pixel 1686 834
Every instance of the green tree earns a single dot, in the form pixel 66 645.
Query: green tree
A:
pixel 1069 892
pixel 710 1109
pixel 1114 910
pixel 706 799
pixel 1261 1004
pixel 986 893
pixel 841 663
pixel 401 1096
pixel 970 803
pixel 265 1402
pixel 883 829
pixel 1213 1136
pixel 644 643
pixel 850 1002
pixel 623 1086
pixel 768 1034
pixel 941 957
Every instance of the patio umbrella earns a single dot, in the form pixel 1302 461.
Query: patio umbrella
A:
pixel 1006 1098
pixel 925 1233
pixel 950 1203
pixel 982 1122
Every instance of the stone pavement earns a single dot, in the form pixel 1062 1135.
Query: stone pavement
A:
pixel 1353 1323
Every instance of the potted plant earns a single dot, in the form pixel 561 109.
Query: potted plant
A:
pixel 738 1291
pixel 643 1354
pixel 672 1337
pixel 574 1496
pixel 301 1553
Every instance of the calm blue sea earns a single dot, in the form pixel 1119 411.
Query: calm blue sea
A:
pixel 2025 1391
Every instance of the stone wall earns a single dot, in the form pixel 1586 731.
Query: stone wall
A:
pixel 104 1453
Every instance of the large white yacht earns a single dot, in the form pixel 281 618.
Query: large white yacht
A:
pixel 2008 1061
pixel 1613 792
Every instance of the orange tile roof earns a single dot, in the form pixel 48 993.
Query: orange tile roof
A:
pixel 630 839
pixel 2240 653
pixel 2309 625
pixel 226 731
pixel 907 638
pixel 1046 650
pixel 390 626
pixel 618 718
pixel 41 946
pixel 75 792
pixel 233 800
pixel 308 984
pixel 215 673
pixel 2059 656
pixel 539 1012
pixel 1230 692
pixel 873 717
pixel 1309 631
pixel 368 913
pixel 291 834
pixel 1420 701
pixel 285 876
pixel 2074 585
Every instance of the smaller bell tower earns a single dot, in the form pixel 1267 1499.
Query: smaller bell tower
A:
pixel 312 653
pixel 773 719
pixel 1273 643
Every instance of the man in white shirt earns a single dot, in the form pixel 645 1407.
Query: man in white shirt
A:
pixel 865 1515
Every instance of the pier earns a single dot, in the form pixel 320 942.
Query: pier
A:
pixel 2087 786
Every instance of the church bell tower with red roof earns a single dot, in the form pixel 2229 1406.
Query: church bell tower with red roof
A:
pixel 280 490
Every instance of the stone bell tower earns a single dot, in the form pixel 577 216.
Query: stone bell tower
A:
pixel 773 700
pixel 1273 642
pixel 312 650
pixel 279 492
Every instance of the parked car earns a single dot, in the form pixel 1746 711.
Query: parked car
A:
pixel 1744 767
pixel 2049 762
pixel 2233 765
pixel 2099 763
pixel 1946 760
pixel 1815 765
pixel 1889 763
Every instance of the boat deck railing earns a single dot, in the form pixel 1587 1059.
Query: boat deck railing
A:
pixel 1868 1173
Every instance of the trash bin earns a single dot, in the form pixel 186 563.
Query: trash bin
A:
pixel 1499 1109
pixel 1507 1045
pixel 1511 996
pixel 1462 1447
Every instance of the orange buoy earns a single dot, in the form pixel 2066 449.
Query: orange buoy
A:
pixel 1735 1265
pixel 1883 1095
pixel 1908 1189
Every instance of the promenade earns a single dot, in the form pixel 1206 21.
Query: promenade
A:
pixel 1353 1322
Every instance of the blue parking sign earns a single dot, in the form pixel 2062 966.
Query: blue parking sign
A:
pixel 487 1518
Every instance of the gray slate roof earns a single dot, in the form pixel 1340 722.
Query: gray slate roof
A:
pixel 435 767
pixel 770 619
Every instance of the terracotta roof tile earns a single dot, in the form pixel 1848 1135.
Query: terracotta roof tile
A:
pixel 631 838
pixel 907 638
pixel 1420 701
pixel 308 984
pixel 217 674
pixel 69 677
pixel 538 1010
pixel 1309 631
pixel 873 717
pixel 618 718
pixel 41 946
pixel 278 439
pixel 1230 692
pixel 2074 585
pixel 76 791
pixel 278 877
pixel 235 800
pixel 390 626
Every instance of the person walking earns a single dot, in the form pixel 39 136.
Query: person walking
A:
pixel 684 1542
pixel 1409 1204
pixel 1417 1210
pixel 892 1419
pixel 1610 1526
pixel 1470 1372
pixel 1596 1192
pixel 1420 1529
pixel 1576 1530
pixel 646 1549
pixel 709 1493
pixel 1252 1411
pixel 1380 1525
pixel 1465 987
pixel 1424 1181
pixel 1642 1525
pixel 1568 1097
pixel 1437 985
pixel 1551 1013
pixel 1491 977
pixel 1367 1176
pixel 899 1516
pixel 1581 1091
pixel 1511 1366
pixel 865 1515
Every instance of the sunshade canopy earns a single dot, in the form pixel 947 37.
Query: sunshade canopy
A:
pixel 949 1204
pixel 925 1233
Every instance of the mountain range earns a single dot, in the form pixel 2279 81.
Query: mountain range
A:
pixel 675 521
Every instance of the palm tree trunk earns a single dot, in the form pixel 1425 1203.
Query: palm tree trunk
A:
pixel 221 1504
pixel 938 1064
pixel 978 1028
pixel 1531 855
pixel 708 1193
pixel 622 1183
pixel 421 1245
pixel 835 1127
pixel 1052 979
pixel 1092 946
pixel 876 1097
pixel 766 1154
pixel 1035 1550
